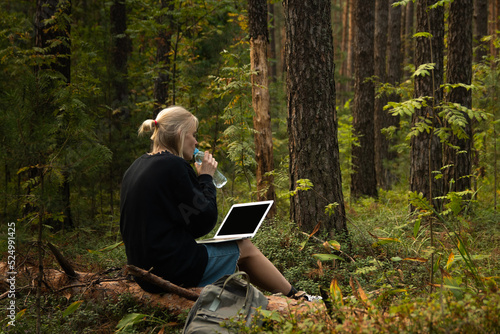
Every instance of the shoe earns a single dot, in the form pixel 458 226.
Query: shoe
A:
pixel 302 295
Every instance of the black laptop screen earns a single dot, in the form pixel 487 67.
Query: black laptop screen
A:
pixel 243 219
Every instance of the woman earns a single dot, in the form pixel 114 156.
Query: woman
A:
pixel 165 206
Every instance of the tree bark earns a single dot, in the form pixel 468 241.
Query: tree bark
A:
pixel 257 14
pixel 409 31
pixel 457 177
pixel 480 29
pixel 162 283
pixel 492 28
pixel 344 76
pixel 273 68
pixel 394 77
pixel 163 50
pixel 121 47
pixel 363 179
pixel 380 71
pixel 350 42
pixel 312 122
pixel 426 155
pixel 63 262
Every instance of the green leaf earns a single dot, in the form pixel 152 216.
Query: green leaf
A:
pixel 72 308
pixel 330 208
pixel 422 34
pixel 272 315
pixel 131 319
pixel 334 244
pixel 327 257
pixel 416 228
pixel 384 241
pixel 424 69
pixel 396 259
pixel 20 314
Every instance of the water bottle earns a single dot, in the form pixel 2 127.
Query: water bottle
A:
pixel 219 179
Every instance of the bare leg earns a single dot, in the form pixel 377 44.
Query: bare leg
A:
pixel 261 271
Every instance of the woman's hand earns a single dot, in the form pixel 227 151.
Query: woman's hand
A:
pixel 208 165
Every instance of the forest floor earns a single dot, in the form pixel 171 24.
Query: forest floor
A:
pixel 381 282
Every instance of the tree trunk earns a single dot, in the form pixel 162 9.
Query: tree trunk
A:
pixel 492 19
pixel 312 123
pixel 163 50
pixel 257 15
pixel 342 92
pixel 480 28
pixel 380 70
pixel 409 31
pixel 426 155
pixel 273 69
pixel 363 179
pixel 350 43
pixel 459 70
pixel 394 76
pixel 119 52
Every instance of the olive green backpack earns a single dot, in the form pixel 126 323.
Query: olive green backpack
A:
pixel 228 297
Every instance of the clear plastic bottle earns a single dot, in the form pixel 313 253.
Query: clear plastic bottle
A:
pixel 219 179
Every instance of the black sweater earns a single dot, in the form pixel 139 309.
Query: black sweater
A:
pixel 164 207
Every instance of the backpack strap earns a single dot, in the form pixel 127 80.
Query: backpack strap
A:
pixel 233 276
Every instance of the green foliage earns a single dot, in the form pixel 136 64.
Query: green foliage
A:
pixel 401 3
pixel 78 316
pixel 302 185
pixel 424 69
pixel 233 86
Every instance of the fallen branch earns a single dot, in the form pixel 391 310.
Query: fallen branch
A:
pixel 65 265
pixel 160 282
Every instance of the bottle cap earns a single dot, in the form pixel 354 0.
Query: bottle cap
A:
pixel 196 150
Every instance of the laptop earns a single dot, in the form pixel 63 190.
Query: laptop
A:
pixel 241 222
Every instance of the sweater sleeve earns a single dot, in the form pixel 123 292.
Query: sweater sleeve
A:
pixel 197 200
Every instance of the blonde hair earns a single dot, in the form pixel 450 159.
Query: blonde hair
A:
pixel 172 125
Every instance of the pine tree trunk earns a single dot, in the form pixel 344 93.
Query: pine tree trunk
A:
pixel 380 71
pixel 363 179
pixel 394 77
pixel 459 70
pixel 480 28
pixel 350 42
pixel 273 69
pixel 342 91
pixel 409 32
pixel 120 51
pixel 425 155
pixel 257 15
pixel 492 19
pixel 312 124
pixel 164 47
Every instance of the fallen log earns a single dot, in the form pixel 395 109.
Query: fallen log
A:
pixel 102 286
pixel 164 284
pixel 63 262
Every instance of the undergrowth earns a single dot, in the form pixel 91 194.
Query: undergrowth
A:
pixel 392 279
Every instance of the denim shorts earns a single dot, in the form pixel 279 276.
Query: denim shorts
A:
pixel 222 260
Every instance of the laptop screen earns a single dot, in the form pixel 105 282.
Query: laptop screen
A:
pixel 244 219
